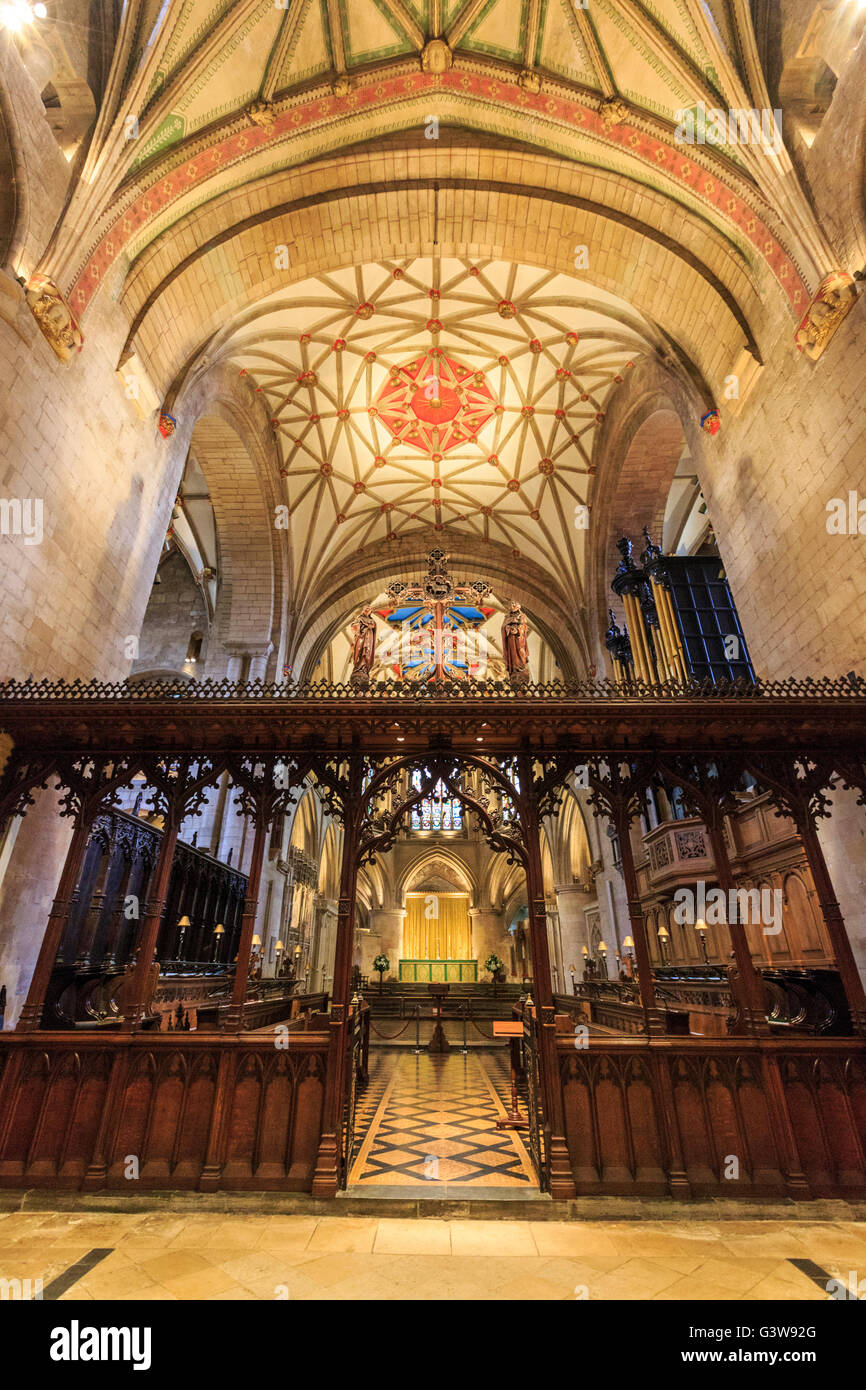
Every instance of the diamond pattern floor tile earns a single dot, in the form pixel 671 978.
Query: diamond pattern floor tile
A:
pixel 432 1120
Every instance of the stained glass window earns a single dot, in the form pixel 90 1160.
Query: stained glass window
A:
pixel 437 812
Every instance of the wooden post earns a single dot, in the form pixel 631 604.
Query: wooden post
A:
pixel 31 1014
pixel 235 1014
pixel 751 989
pixel 326 1178
pixel 561 1177
pixel 835 922
pixel 655 1024
pixel 136 995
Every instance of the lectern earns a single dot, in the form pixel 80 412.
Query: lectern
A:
pixel 513 1029
pixel 438 1042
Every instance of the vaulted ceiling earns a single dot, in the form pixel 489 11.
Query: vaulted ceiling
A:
pixel 435 392
pixel 433 235
pixel 209 96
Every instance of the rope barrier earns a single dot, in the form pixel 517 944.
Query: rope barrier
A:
pixel 389 1037
pixel 480 1029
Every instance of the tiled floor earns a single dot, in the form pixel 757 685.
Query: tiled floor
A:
pixel 431 1120
pixel 215 1257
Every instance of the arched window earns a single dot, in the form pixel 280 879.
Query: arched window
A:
pixel 439 811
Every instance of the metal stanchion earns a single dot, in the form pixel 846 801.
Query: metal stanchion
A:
pixel 417 1029
pixel 465 1010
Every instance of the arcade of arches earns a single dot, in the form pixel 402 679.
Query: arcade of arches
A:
pixel 433 599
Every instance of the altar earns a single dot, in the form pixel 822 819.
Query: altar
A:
pixel 442 971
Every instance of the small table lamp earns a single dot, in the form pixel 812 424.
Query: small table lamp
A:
pixel 701 929
pixel 219 932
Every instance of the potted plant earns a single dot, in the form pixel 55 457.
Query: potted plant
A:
pixel 383 965
pixel 496 968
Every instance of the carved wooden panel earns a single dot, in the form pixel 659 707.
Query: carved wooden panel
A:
pixel 165 1112
pixel 632 1106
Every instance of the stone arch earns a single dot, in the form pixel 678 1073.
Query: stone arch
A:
pixel 245 607
pixel 651 419
pixel 349 585
pixel 705 306
pixel 305 833
pixel 427 859
pixel 503 882
pixel 227 426
pixel 329 867
pixel 12 194
pixel 548 876
pixel 569 841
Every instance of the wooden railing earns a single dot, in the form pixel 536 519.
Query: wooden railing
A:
pixel 722 1118
pixel 157 1110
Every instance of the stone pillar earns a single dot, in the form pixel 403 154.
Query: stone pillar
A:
pixel 571 900
pixel 234 1016
pixel 386 937
pixel 488 935
pixel 843 841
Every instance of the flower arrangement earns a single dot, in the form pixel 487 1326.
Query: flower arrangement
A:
pixel 383 965
pixel 494 964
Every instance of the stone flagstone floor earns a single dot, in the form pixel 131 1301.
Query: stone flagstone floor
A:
pixel 166 1255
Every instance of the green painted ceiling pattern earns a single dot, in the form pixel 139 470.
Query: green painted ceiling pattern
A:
pixel 371 35
pixel 562 48
pixel 324 143
pixel 310 52
pixel 674 17
pixel 642 73
pixel 499 30
pixel 233 77
pixel 643 64
pixel 197 19
pixel 657 54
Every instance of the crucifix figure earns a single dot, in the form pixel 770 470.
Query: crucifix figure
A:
pixel 436 608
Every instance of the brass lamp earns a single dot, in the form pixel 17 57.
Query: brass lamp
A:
pixel 183 924
pixel 219 932
pixel 628 946
pixel 664 937
pixel 701 929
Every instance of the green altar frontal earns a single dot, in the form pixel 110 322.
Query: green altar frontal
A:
pixel 449 971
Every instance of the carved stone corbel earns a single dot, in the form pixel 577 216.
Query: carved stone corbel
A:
pixel 436 56
pixel 831 302
pixel 54 316
pixel 262 113
pixel 613 111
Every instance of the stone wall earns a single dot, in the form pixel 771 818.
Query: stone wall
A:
pixel 176 609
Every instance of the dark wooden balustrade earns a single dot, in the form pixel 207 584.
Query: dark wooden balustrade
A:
pixel 699 1000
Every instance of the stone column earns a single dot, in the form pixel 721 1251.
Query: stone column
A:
pixel 488 935
pixel 571 901
pixel 386 936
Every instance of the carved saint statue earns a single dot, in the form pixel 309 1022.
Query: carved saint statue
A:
pixel 515 644
pixel 363 647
